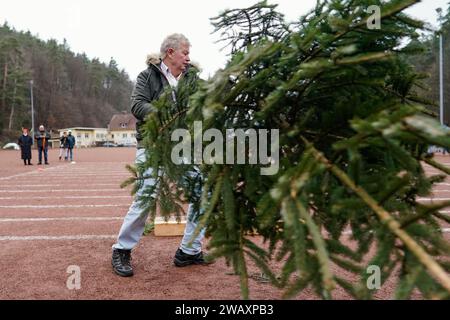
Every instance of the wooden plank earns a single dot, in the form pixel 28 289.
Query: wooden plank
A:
pixel 170 228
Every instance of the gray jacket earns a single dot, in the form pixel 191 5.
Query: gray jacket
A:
pixel 150 84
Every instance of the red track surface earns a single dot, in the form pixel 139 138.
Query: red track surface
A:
pixel 75 211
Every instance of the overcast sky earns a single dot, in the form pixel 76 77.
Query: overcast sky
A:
pixel 129 30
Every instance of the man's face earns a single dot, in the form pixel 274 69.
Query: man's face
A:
pixel 179 59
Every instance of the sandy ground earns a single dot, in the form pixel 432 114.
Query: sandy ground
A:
pixel 62 215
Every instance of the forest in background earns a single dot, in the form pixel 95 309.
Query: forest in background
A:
pixel 72 90
pixel 69 89
pixel 428 63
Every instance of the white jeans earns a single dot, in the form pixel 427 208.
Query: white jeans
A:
pixel 63 153
pixel 134 223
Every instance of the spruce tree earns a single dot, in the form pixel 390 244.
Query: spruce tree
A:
pixel 353 139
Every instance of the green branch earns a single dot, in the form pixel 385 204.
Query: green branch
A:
pixel 319 243
pixel 433 267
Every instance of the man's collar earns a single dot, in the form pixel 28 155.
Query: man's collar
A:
pixel 164 67
pixel 166 70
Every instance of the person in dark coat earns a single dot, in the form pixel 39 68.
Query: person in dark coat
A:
pixel 70 145
pixel 42 137
pixel 25 143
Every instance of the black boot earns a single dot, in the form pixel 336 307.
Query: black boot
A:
pixel 29 162
pixel 182 259
pixel 25 162
pixel 121 262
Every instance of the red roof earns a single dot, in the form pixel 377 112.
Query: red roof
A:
pixel 123 121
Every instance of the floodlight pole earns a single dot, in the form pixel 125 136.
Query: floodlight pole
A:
pixel 441 79
pixel 32 107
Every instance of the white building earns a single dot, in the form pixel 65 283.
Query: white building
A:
pixel 122 129
pixel 87 137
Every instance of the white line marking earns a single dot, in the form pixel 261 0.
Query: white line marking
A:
pixel 63 206
pixel 92 163
pixel 104 171
pixel 63 190
pixel 52 185
pixel 77 237
pixel 433 199
pixel 60 219
pixel 66 197
pixel 27 173
pixel 75 177
pixel 76 174
pixel 45 176
pixel 69 181
pixel 17 175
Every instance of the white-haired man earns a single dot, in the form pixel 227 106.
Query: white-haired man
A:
pixel 42 138
pixel 163 71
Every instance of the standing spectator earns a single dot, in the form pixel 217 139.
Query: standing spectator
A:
pixel 71 144
pixel 63 146
pixel 25 143
pixel 42 137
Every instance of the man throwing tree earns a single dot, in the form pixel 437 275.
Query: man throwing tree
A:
pixel 161 73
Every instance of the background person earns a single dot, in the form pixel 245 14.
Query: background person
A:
pixel 70 144
pixel 25 143
pixel 63 146
pixel 42 138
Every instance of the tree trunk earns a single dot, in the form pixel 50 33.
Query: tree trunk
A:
pixel 11 115
pixel 5 76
